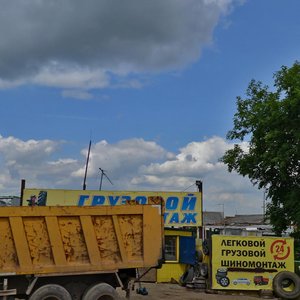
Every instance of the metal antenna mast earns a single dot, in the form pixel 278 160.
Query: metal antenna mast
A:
pixel 86 166
pixel 101 178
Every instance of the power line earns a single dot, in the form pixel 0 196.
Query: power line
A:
pixel 188 187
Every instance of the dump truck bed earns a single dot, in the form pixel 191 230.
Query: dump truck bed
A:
pixel 54 240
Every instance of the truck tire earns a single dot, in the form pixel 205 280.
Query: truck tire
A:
pixel 204 269
pixel 51 291
pixel 286 285
pixel 100 291
pixel 186 277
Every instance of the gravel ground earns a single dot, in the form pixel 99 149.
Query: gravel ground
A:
pixel 175 292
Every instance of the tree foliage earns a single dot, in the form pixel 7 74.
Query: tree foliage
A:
pixel 270 121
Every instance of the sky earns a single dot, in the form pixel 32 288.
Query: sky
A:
pixel 153 85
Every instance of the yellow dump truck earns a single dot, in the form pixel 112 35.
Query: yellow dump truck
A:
pixel 76 252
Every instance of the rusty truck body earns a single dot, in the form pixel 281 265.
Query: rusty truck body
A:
pixel 76 252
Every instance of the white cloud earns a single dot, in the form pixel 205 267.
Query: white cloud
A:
pixel 30 151
pixel 195 159
pixel 200 160
pixel 122 160
pixel 32 160
pixel 133 164
pixel 77 94
pixel 9 84
pixel 75 44
pixel 71 78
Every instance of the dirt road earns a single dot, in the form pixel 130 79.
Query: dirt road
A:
pixel 175 292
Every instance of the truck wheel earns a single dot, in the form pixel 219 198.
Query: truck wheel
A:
pixel 284 290
pixel 51 291
pixel 100 291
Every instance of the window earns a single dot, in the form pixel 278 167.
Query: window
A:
pixel 171 248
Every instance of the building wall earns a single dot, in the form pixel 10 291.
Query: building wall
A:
pixel 172 270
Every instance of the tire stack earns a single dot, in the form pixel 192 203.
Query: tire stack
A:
pixel 196 280
pixel 200 280
pixel 199 283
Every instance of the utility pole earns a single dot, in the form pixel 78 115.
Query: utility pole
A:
pixel 199 185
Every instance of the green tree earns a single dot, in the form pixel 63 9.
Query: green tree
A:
pixel 270 122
